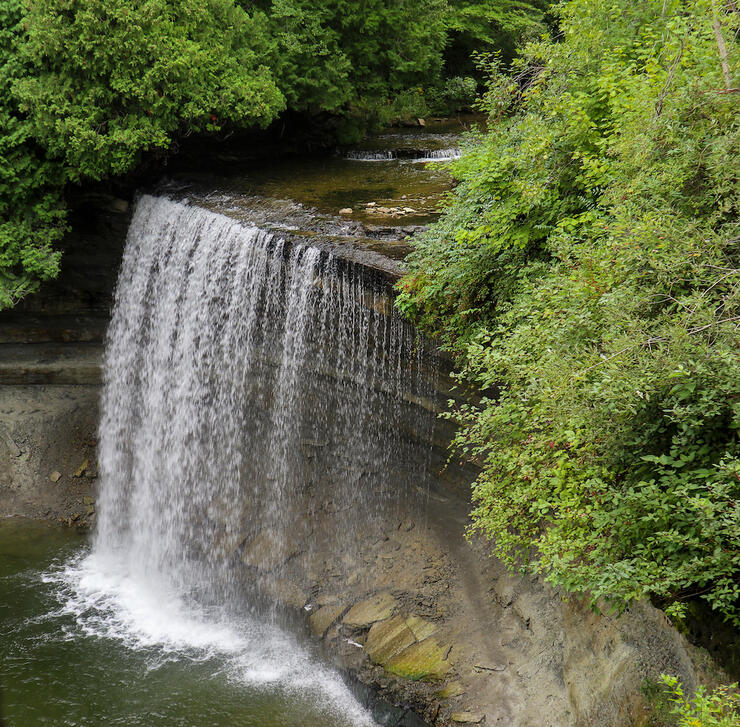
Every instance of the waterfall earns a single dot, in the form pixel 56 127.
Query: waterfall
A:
pixel 252 390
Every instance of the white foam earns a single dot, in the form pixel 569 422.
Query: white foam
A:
pixel 108 601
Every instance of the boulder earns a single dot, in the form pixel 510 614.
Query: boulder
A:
pixel 366 613
pixel 422 660
pixel 388 638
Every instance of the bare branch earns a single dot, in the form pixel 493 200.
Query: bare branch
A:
pixel 723 57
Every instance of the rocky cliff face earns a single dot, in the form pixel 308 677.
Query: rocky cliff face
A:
pixel 413 611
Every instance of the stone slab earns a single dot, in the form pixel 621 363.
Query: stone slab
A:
pixel 375 608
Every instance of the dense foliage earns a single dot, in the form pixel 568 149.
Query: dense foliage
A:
pixel 717 708
pixel 31 208
pixel 587 273
pixel 88 86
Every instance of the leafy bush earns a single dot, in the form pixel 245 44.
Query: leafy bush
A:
pixel 587 274
pixel 718 708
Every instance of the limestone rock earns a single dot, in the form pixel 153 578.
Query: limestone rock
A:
pixel 266 551
pixel 55 476
pixel 288 593
pixel 422 660
pixel 421 628
pixel 388 638
pixel 453 689
pixel 323 618
pixel 81 469
pixel 346 211
pixel 326 599
pixel 87 500
pixel 376 608
pixel 468 717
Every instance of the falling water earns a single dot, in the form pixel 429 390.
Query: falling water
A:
pixel 252 387
pixel 414 155
pixel 371 156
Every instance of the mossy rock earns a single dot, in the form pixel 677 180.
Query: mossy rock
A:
pixel 422 660
pixel 388 638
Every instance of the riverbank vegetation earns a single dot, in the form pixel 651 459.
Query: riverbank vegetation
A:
pixel 586 273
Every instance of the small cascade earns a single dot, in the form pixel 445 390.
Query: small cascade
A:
pixel 414 155
pixel 372 156
pixel 439 155
pixel 255 392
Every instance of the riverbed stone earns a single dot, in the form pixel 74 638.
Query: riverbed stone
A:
pixel 55 476
pixel 323 618
pixel 367 612
pixel 422 660
pixel 388 638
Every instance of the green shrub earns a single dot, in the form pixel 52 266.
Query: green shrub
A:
pixel 587 275
pixel 717 708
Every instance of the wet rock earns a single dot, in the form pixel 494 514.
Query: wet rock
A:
pixel 323 618
pixel 422 660
pixel 366 613
pixel 388 638
pixel 266 551
pixel 288 593
pixel 87 500
pixel 55 476
pixel 421 122
pixel 468 717
pixel 118 205
pixel 420 627
pixel 346 211
pixel 326 599
pixel 453 689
